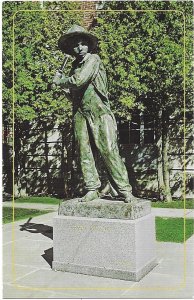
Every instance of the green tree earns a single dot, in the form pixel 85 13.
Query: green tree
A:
pixel 144 54
pixel 36 58
pixel 30 36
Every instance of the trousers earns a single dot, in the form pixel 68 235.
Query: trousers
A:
pixel 104 132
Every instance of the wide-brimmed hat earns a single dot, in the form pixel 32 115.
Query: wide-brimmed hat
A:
pixel 65 41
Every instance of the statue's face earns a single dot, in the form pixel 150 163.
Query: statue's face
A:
pixel 80 47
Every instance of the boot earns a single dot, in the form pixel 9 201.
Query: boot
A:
pixel 129 198
pixel 89 196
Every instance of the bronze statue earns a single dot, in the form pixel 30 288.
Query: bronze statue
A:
pixel 87 86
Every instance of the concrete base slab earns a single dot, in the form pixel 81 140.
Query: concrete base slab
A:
pixel 114 248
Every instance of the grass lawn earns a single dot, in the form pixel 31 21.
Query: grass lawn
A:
pixel 53 200
pixel 175 204
pixel 46 200
pixel 20 213
pixel 172 229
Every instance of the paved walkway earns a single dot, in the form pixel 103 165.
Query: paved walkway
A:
pixel 28 254
pixel 173 212
pixel 41 206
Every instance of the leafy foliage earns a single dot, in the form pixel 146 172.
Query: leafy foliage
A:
pixel 36 58
pixel 143 50
pixel 141 45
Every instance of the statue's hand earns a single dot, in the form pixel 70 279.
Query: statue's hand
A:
pixel 57 78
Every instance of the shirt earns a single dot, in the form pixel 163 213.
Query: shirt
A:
pixel 88 86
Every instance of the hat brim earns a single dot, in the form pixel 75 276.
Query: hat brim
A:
pixel 65 44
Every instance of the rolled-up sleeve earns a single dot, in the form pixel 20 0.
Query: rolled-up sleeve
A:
pixel 85 74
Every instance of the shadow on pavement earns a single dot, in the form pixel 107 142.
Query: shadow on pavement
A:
pixel 44 230
pixel 37 228
pixel 48 256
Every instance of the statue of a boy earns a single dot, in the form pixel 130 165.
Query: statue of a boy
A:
pixel 87 84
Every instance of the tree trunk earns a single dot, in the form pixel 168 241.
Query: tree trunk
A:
pixel 46 150
pixel 165 160
pixel 73 165
pixel 160 160
pixel 162 139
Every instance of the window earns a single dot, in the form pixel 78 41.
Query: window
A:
pixel 140 130
pixel 148 129
pixel 135 129
pixel 7 134
pixel 123 127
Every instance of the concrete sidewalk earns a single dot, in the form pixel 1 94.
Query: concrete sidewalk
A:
pixel 27 273
pixel 41 206
pixel 173 212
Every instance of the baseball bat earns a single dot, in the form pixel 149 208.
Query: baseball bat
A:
pixel 66 58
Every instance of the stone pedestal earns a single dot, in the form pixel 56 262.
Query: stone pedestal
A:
pixel 120 245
